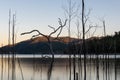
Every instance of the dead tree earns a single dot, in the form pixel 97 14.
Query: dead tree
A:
pixel 2 65
pixel 85 18
pixel 49 42
pixel 78 50
pixel 9 40
pixel 115 61
pixel 13 54
pixel 70 12
pixel 104 55
pixel 104 27
pixel 83 28
pixel 78 29
pixel 9 23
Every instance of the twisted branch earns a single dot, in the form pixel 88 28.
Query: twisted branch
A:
pixel 49 41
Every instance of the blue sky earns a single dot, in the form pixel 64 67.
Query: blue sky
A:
pixel 38 14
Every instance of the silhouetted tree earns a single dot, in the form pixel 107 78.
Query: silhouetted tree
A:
pixel 49 41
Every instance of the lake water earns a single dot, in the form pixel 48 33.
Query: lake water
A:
pixel 28 68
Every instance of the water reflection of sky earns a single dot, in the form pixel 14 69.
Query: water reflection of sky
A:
pixel 36 69
pixel 60 56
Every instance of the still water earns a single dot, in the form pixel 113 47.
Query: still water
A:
pixel 37 68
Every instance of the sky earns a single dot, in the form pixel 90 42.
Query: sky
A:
pixel 38 14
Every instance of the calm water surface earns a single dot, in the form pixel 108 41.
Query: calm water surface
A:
pixel 37 68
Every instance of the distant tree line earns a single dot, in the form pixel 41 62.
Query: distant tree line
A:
pixel 98 45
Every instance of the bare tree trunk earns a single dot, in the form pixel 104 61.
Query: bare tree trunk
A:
pixel 69 18
pixel 97 66
pixel 9 28
pixel 70 66
pixel 115 66
pixel 69 31
pixel 20 69
pixel 52 62
pixel 90 64
pixel 13 55
pixel 80 67
pixel 2 66
pixel 71 13
pixel 74 62
pixel 84 47
pixel 103 66
pixel 33 67
pixel 9 40
pixel 108 67
pixel 104 55
pixel 41 69
pixel 104 28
